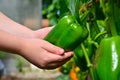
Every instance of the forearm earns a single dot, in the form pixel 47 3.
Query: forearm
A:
pixel 10 43
pixel 14 28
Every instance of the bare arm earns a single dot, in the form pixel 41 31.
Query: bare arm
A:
pixel 12 27
pixel 10 43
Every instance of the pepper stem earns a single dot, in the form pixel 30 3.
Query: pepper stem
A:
pixel 112 27
pixel 89 65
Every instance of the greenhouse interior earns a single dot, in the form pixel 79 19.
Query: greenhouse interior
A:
pixel 59 40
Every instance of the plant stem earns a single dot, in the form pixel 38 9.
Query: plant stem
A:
pixel 110 18
pixel 89 65
pixel 99 34
pixel 94 43
pixel 112 27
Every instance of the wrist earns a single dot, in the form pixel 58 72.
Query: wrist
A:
pixel 18 46
pixel 13 45
pixel 22 46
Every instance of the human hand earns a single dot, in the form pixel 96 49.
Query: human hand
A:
pixel 43 54
pixel 41 33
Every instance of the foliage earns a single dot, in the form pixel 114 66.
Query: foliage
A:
pixel 101 19
pixel 50 10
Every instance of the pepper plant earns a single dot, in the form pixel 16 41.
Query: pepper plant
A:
pixel 91 29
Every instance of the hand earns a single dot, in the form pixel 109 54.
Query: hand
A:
pixel 43 54
pixel 41 33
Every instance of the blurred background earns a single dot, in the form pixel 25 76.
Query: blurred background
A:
pixel 34 14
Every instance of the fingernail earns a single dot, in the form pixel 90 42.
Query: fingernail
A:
pixel 61 51
pixel 72 53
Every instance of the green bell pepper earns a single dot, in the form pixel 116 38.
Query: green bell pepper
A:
pixel 107 60
pixel 67 34
pixel 62 25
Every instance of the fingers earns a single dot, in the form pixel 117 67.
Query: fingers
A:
pixel 52 48
pixel 57 64
pixel 47 60
pixel 66 55
pixel 59 60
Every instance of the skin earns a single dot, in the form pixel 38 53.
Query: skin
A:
pixel 18 39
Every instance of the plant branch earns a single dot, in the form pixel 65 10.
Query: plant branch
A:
pixel 99 34
pixel 89 65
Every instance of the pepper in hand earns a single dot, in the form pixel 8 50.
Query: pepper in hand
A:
pixel 67 34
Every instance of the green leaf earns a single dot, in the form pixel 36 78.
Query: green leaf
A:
pixel 73 6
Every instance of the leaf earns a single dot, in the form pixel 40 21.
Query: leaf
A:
pixel 116 15
pixel 111 9
pixel 73 6
pixel 63 9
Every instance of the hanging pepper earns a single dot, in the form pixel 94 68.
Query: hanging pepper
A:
pixel 67 34
pixel 107 60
